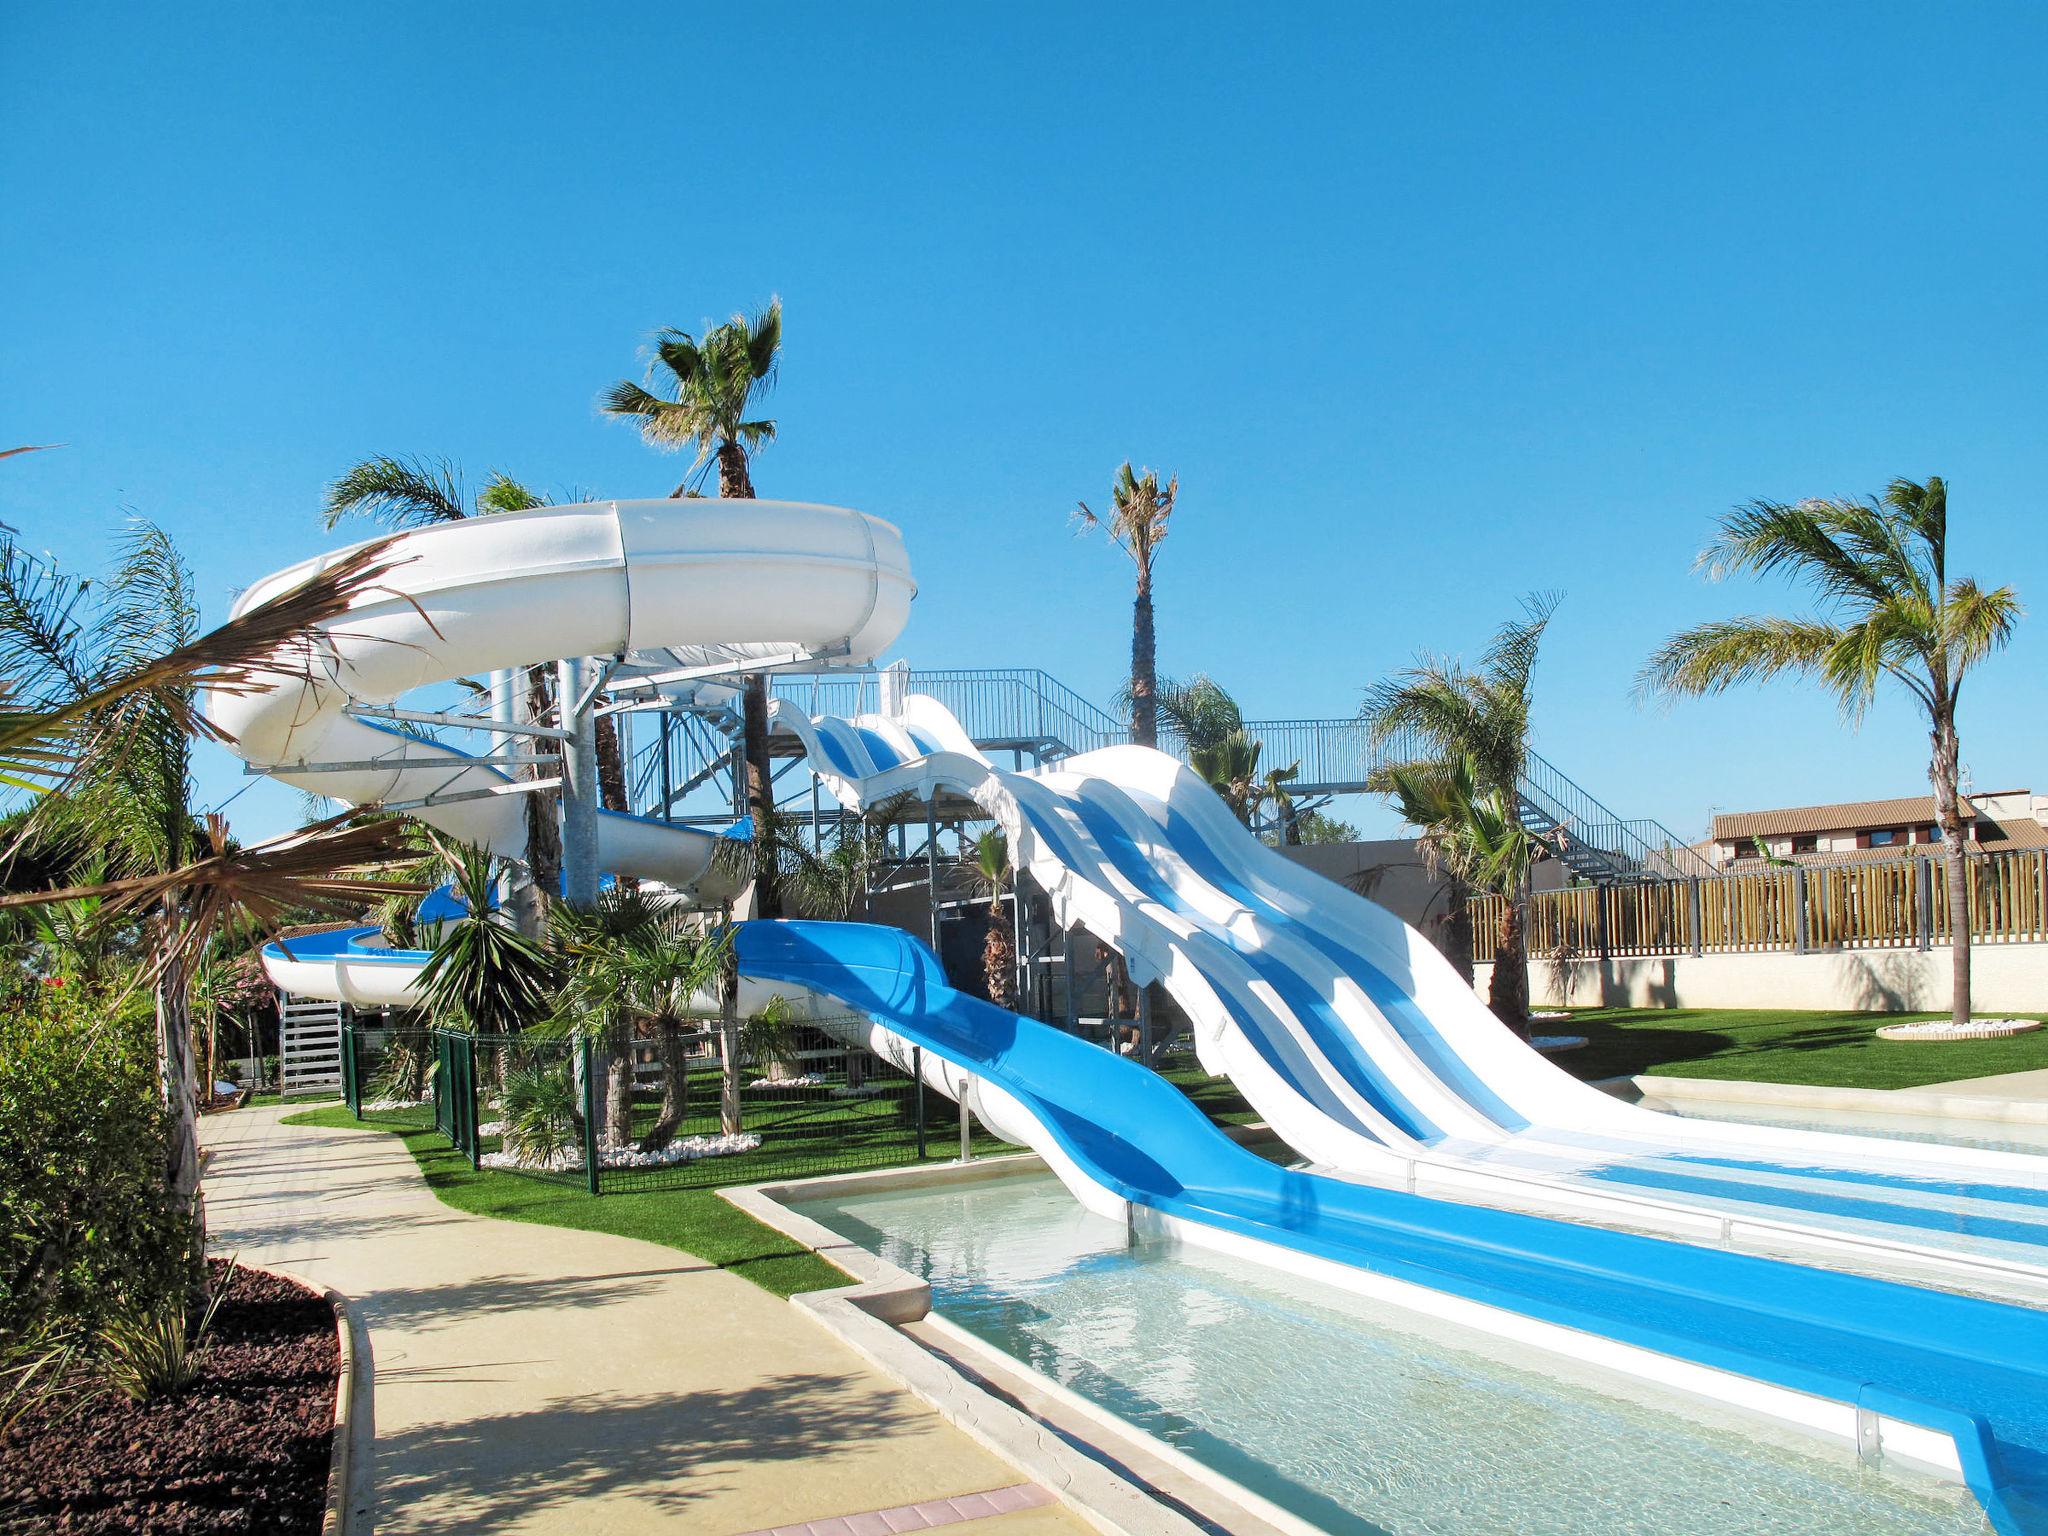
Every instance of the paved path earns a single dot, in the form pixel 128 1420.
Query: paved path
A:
pixel 537 1380
pixel 2023 1087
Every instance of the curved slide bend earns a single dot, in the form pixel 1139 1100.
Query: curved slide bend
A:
pixel 1952 1382
pixel 1368 1053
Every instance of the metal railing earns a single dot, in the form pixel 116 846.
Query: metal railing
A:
pixel 1027 709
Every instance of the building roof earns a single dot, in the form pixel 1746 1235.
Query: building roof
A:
pixel 1849 815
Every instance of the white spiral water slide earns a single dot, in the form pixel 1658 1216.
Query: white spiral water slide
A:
pixel 660 584
pixel 1362 1046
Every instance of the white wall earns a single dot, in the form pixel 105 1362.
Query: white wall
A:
pixel 2005 979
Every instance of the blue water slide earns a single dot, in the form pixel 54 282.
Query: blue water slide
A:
pixel 1975 1370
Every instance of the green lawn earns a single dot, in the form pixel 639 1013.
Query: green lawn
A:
pixel 1833 1050
pixel 696 1221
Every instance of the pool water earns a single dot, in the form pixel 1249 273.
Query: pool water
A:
pixel 1353 1417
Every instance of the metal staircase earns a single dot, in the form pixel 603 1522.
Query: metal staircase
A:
pixel 1029 714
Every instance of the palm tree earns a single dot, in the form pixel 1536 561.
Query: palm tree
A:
pixel 990 871
pixel 405 493
pixel 1200 711
pixel 1476 841
pixel 1887 610
pixel 716 384
pixel 1137 523
pixel 1453 721
pixel 670 964
pixel 1222 752
pixel 99 682
pixel 599 990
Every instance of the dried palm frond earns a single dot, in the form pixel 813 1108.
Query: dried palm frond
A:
pixel 336 867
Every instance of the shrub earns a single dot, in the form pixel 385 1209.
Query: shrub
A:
pixel 88 1229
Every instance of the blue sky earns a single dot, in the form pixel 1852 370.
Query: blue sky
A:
pixel 1428 306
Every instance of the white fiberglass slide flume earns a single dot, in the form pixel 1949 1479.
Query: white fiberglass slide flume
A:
pixel 1367 1052
pixel 683 579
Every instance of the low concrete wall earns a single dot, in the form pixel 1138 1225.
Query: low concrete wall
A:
pixel 2005 978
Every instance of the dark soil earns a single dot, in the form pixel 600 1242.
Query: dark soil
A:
pixel 245 1449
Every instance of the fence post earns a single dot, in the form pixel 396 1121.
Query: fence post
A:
pixel 966 1123
pixel 1802 932
pixel 1692 913
pixel 349 1090
pixel 917 1072
pixel 1600 933
pixel 592 1175
pixel 469 1099
pixel 1923 901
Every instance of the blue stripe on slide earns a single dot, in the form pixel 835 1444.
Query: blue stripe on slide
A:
pixel 1315 1013
pixel 1822 1202
pixel 2006 1194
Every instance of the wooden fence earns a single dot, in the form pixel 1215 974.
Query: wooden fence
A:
pixel 1896 904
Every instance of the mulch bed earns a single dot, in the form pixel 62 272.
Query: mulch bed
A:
pixel 245 1449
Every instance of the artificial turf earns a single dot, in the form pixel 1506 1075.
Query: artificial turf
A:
pixel 1831 1050
pixel 696 1221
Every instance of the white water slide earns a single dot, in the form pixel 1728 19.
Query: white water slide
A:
pixel 1345 1028
pixel 659 589
pixel 1367 1052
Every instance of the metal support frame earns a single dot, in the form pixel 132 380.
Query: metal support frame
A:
pixel 387 764
pixel 736 667
pixel 579 787
pixel 505 726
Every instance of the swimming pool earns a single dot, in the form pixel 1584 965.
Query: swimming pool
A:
pixel 1354 1419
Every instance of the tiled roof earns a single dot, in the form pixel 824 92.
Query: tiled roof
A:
pixel 1849 816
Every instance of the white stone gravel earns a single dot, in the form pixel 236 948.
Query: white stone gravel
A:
pixel 1948 1029
pixel 396 1103
pixel 687 1149
pixel 808 1080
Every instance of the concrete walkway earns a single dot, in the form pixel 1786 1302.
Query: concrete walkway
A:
pixel 532 1379
pixel 2019 1087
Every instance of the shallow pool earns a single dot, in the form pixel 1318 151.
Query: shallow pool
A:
pixel 1350 1416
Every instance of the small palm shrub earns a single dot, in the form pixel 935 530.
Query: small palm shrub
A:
pixel 401 1076
pixel 539 1112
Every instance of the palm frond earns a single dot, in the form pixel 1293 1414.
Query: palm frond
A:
pixel 1716 656
pixel 401 493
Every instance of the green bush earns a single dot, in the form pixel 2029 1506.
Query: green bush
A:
pixel 88 1231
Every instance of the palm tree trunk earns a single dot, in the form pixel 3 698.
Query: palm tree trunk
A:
pixel 1943 772
pixel 729 1039
pixel 1454 933
pixel 618 1085
pixel 1508 995
pixel 761 798
pixel 675 1085
pixel 543 827
pixel 999 959
pixel 1144 664
pixel 611 765
pixel 174 1065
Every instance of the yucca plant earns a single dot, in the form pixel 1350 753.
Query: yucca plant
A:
pixel 484 975
pixel 154 1353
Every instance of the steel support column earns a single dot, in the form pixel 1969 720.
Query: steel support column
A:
pixel 579 786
